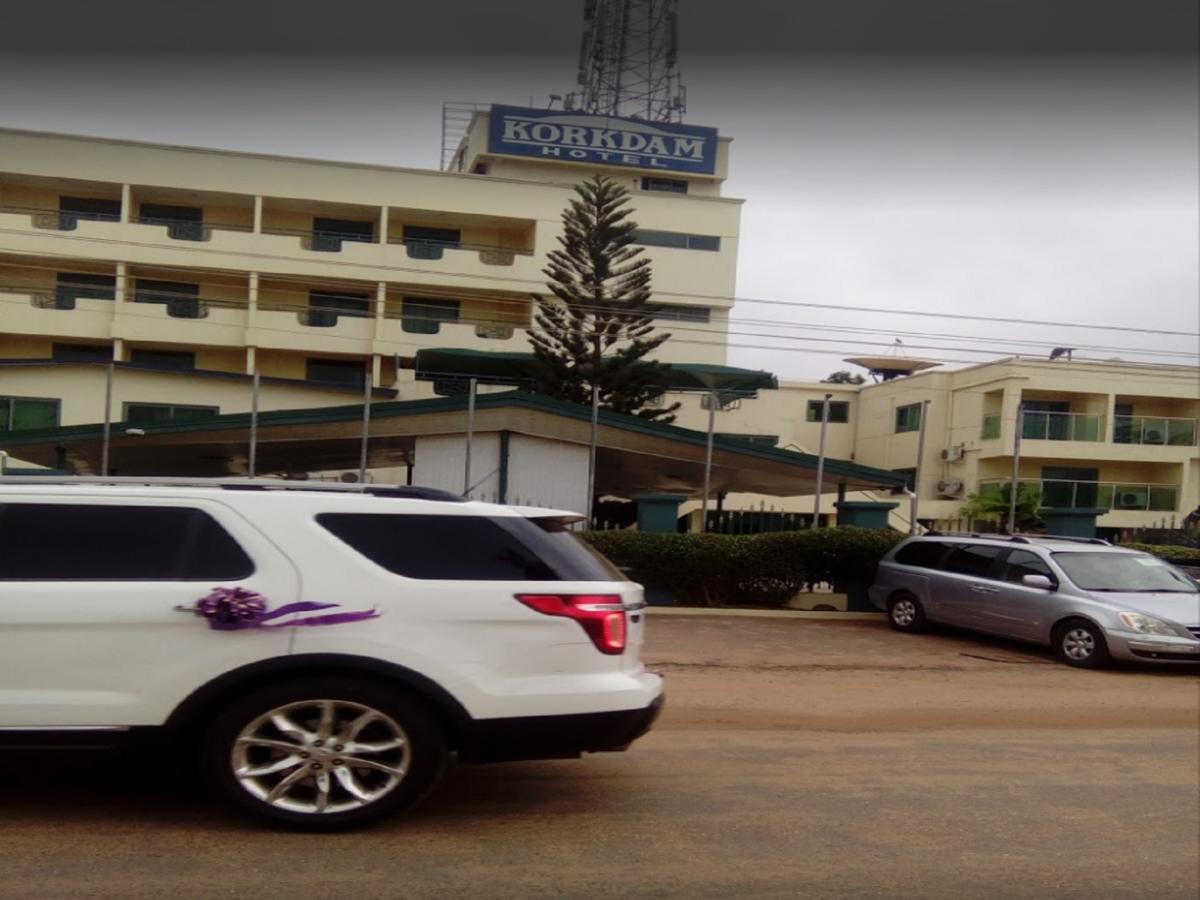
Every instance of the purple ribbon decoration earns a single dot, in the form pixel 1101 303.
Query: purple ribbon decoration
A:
pixel 230 609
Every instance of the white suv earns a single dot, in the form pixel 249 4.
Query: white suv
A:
pixel 322 651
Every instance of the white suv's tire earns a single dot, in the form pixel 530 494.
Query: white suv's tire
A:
pixel 322 753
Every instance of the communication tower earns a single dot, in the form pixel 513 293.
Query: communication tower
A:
pixel 627 63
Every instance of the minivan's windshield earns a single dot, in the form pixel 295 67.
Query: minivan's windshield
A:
pixel 1129 572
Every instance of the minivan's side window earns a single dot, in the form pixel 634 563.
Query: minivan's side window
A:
pixel 107 542
pixel 469 548
pixel 1021 563
pixel 921 553
pixel 972 559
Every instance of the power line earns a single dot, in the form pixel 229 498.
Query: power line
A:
pixel 1058 368
pixel 713 297
pixel 524 306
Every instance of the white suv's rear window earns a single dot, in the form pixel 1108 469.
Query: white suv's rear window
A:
pixel 469 548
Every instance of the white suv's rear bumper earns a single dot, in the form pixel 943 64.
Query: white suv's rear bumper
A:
pixel 561 736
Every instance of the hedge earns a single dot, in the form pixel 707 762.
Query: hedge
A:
pixel 744 570
pixel 1170 552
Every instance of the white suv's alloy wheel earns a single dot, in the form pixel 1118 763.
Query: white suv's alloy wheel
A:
pixel 321 756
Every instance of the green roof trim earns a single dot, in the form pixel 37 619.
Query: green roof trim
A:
pixel 506 367
pixel 501 400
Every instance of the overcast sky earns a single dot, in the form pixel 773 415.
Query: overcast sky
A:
pixel 1027 159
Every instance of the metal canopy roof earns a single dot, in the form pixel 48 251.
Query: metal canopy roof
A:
pixel 634 455
pixel 519 369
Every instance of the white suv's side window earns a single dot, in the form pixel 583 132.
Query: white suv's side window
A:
pixel 94 542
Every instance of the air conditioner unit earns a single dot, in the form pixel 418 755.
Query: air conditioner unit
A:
pixel 1152 436
pixel 953 454
pixel 951 487
pixel 1133 500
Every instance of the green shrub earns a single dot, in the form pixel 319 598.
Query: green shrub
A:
pixel 1171 552
pixel 745 570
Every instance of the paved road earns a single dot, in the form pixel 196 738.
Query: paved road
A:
pixel 993 774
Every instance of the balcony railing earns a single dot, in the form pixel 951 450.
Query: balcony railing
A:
pixel 1154 430
pixel 991 428
pixel 1110 495
pixel 1061 426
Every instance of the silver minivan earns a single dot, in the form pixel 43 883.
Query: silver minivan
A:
pixel 1088 600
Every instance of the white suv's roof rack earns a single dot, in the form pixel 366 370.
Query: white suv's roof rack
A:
pixel 236 484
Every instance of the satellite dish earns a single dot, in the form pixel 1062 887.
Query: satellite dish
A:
pixel 885 368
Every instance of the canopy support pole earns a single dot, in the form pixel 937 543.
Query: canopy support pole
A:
pixel 368 381
pixel 708 454
pixel 470 436
pixel 252 463
pixel 592 441
pixel 821 463
pixel 916 488
pixel 1014 486
pixel 108 392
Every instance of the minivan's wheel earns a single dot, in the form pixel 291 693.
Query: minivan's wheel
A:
pixel 325 753
pixel 905 612
pixel 1078 642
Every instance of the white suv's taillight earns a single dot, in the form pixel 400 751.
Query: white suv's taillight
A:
pixel 602 616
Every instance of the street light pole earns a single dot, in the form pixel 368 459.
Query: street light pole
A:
pixel 366 424
pixel 821 462
pixel 1016 469
pixel 916 489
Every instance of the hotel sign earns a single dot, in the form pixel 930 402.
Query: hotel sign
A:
pixel 581 137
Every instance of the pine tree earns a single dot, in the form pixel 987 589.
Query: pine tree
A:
pixel 595 329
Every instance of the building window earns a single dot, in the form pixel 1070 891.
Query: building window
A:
pixel 72 209
pixel 342 372
pixel 669 185
pixel 425 316
pixel 428 243
pixel 726 400
pixel 149 413
pixel 184 223
pixel 910 477
pixel 325 307
pixel 181 299
pixel 178 360
pixel 74 286
pixel 908 418
pixel 328 234
pixel 82 353
pixel 25 413
pixel 839 411
pixel 677 239
pixel 673 313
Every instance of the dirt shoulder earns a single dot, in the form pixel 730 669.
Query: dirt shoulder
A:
pixel 783 674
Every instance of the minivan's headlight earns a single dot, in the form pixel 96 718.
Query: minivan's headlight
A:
pixel 1146 624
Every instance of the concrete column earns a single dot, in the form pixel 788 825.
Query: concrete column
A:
pixel 119 354
pixel 126 202
pixel 380 309
pixel 251 306
pixel 383 225
pixel 258 213
pixel 1109 421
pixel 376 368
pixel 120 308
pixel 251 359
